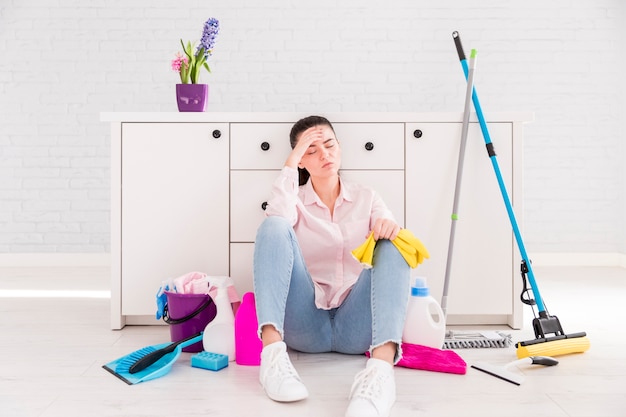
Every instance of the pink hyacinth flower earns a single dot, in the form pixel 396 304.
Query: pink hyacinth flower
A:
pixel 178 61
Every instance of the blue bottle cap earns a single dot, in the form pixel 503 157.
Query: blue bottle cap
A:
pixel 420 288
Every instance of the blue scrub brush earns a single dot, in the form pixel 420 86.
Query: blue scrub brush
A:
pixel 149 362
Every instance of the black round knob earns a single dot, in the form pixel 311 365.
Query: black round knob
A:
pixel 265 146
pixel 417 133
pixel 264 205
pixel 217 134
pixel 369 146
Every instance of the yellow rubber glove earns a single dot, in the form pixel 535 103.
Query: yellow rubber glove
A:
pixel 411 248
pixel 365 252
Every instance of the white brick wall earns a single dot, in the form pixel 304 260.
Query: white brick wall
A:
pixel 63 62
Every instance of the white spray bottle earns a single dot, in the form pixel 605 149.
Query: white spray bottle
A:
pixel 219 334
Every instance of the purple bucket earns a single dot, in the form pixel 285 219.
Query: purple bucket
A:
pixel 188 314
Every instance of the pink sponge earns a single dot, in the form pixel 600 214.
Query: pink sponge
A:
pixel 431 359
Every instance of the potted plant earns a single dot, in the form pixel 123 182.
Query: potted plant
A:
pixel 191 95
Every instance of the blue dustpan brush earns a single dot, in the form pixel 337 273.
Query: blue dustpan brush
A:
pixel 149 362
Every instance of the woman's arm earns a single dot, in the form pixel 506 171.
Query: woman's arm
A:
pixel 384 225
pixel 284 196
pixel 285 189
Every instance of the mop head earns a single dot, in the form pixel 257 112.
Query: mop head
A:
pixel 559 344
pixel 553 348
pixel 476 340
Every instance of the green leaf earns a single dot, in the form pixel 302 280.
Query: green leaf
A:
pixel 196 74
pixel 184 74
pixel 185 49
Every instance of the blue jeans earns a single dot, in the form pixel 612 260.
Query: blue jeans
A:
pixel 372 314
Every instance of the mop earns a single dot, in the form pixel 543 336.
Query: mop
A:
pixel 550 339
pixel 456 339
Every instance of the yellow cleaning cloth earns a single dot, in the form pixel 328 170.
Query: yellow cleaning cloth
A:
pixel 412 249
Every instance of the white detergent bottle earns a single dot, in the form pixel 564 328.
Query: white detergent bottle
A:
pixel 219 334
pixel 425 322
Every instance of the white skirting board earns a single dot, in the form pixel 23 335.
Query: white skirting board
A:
pixel 9 260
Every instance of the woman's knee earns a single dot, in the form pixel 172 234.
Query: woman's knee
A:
pixel 389 262
pixel 273 227
pixel 386 249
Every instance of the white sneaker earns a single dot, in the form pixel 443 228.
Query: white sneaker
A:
pixel 373 391
pixel 280 380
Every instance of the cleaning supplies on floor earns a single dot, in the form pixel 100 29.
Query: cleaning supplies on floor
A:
pixel 219 334
pixel 425 323
pixel 555 347
pixel 152 357
pixel 188 314
pixel 121 367
pixel 193 283
pixel 431 359
pixel 426 358
pixel 476 339
pixel 248 346
pixel 209 360
pixel 503 372
pixel 186 303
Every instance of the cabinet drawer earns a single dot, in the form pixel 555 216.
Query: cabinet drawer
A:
pixel 259 145
pixel 364 145
pixel 371 145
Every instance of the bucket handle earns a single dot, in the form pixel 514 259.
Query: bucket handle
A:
pixel 169 320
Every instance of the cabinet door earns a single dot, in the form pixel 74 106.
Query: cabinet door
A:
pixel 174 206
pixel 481 276
pixel 249 191
pixel 241 256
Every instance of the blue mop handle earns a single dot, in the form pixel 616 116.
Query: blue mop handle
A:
pixel 496 168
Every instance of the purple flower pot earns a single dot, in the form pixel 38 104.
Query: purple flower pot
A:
pixel 192 97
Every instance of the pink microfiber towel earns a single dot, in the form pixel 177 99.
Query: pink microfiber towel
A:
pixel 431 359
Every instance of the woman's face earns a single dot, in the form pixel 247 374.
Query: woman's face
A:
pixel 323 157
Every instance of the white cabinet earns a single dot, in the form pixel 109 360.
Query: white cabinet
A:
pixel 188 189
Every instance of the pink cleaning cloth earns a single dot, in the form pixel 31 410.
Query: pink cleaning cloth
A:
pixel 431 359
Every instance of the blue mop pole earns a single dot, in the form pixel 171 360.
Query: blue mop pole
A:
pixel 507 201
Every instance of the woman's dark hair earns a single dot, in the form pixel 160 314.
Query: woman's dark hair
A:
pixel 299 127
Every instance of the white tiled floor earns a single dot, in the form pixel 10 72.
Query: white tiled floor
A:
pixel 53 350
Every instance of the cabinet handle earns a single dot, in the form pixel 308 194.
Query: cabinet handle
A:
pixel 417 133
pixel 265 146
pixel 217 134
pixel 369 146
pixel 264 205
